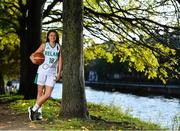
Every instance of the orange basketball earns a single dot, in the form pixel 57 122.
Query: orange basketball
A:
pixel 39 58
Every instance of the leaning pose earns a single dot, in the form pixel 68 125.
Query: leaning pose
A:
pixel 47 74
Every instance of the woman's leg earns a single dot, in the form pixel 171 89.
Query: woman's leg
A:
pixel 40 91
pixel 39 94
pixel 42 96
pixel 47 94
pixel 33 115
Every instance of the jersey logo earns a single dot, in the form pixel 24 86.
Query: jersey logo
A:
pixel 51 53
pixel 45 66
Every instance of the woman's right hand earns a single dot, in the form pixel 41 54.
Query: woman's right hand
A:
pixel 40 49
pixel 32 58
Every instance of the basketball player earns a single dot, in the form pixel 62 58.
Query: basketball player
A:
pixel 47 74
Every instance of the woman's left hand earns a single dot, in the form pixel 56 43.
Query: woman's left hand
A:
pixel 58 77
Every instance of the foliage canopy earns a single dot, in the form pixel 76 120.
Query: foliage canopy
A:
pixel 144 33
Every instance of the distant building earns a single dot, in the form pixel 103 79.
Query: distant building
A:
pixel 93 76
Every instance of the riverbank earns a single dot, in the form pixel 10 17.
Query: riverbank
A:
pixel 102 118
pixel 147 108
pixel 137 88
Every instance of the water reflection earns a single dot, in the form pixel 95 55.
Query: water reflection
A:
pixel 155 109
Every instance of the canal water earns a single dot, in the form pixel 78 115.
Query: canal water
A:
pixel 160 110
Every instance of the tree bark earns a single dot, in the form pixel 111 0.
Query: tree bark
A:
pixel 2 89
pixel 73 97
pixel 30 41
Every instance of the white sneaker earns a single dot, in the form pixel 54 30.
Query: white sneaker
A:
pixel 32 114
pixel 39 116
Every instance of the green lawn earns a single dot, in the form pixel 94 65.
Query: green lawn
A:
pixel 102 118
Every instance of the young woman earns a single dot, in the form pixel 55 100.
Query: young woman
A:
pixel 47 74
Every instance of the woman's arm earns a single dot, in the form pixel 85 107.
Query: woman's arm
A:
pixel 59 65
pixel 40 49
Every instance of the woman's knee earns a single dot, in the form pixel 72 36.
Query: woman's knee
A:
pixel 39 94
pixel 48 91
pixel 47 95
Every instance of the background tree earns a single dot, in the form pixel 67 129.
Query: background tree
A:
pixel 73 97
pixel 23 18
pixel 134 28
pixel 30 41
pixel 9 44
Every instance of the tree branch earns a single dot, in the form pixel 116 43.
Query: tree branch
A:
pixel 49 8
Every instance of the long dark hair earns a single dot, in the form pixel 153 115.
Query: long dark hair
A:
pixel 57 36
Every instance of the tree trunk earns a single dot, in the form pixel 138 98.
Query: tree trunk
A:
pixel 30 41
pixel 22 33
pixel 73 97
pixel 2 89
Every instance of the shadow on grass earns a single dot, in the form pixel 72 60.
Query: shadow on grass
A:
pixel 4 99
pixel 124 124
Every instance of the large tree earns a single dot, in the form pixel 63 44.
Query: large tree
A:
pixel 30 35
pixel 73 97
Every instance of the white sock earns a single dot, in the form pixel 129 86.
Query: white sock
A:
pixel 40 109
pixel 35 107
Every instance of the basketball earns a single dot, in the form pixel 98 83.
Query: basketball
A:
pixel 38 58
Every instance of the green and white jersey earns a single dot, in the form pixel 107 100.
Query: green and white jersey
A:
pixel 51 59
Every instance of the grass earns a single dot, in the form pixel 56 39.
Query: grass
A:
pixel 103 118
pixel 9 98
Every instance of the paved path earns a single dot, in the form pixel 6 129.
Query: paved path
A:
pixel 11 120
